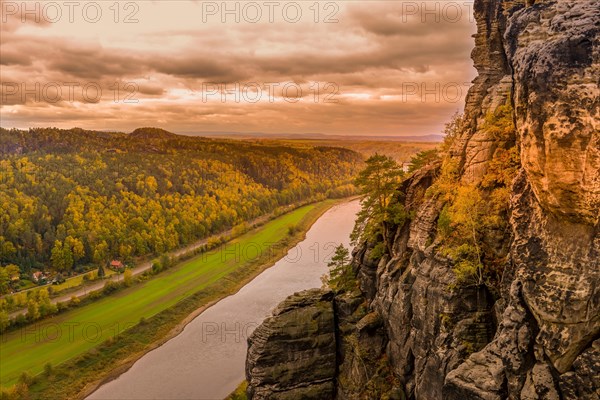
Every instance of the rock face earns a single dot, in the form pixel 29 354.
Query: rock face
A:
pixel 554 54
pixel 536 334
pixel 531 341
pixel 319 346
pixel 550 288
pixel 292 355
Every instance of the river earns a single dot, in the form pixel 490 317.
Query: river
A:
pixel 207 359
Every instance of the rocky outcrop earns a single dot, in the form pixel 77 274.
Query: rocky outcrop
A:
pixel 551 285
pixel 535 332
pixel 553 311
pixel 430 328
pixel 292 354
pixel 583 381
pixel 531 336
pixel 364 371
pixel 554 54
pixel 320 346
pixel 490 88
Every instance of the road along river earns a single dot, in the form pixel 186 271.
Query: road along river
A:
pixel 206 360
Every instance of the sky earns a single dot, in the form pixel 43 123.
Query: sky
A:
pixel 399 68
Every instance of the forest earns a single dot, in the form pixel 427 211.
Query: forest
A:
pixel 76 198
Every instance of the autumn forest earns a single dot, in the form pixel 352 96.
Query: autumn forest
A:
pixel 78 198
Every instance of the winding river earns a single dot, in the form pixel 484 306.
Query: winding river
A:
pixel 206 360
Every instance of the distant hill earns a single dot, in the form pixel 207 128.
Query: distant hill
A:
pixel 317 136
pixel 151 133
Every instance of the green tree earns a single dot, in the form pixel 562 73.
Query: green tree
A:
pixel 464 221
pixel 340 270
pixel 378 183
pixel 452 131
pixel 13 271
pixel 58 256
pixel 128 277
pixel 166 261
pixel 33 310
pixel 156 267
pixel 46 307
pixel 75 247
pixel 422 159
pixel 61 256
pixel 101 273
pixel 101 253
pixel 4 321
pixel 7 249
pixel 4 281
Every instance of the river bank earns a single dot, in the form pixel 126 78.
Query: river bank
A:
pixel 72 378
pixel 206 360
pixel 143 264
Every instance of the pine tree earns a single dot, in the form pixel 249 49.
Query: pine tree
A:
pixel 340 270
pixel 378 183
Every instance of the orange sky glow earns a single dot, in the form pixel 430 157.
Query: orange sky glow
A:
pixel 335 67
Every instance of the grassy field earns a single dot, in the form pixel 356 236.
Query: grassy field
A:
pixel 75 332
pixel 76 281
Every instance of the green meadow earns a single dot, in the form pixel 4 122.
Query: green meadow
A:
pixel 77 331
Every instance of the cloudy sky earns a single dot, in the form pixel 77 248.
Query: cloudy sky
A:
pixel 336 67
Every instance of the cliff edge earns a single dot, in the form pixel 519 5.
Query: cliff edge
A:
pixel 529 328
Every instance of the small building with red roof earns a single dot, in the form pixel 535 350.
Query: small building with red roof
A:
pixel 117 265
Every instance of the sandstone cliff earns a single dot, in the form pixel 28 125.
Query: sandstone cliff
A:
pixel 534 333
pixel 292 354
